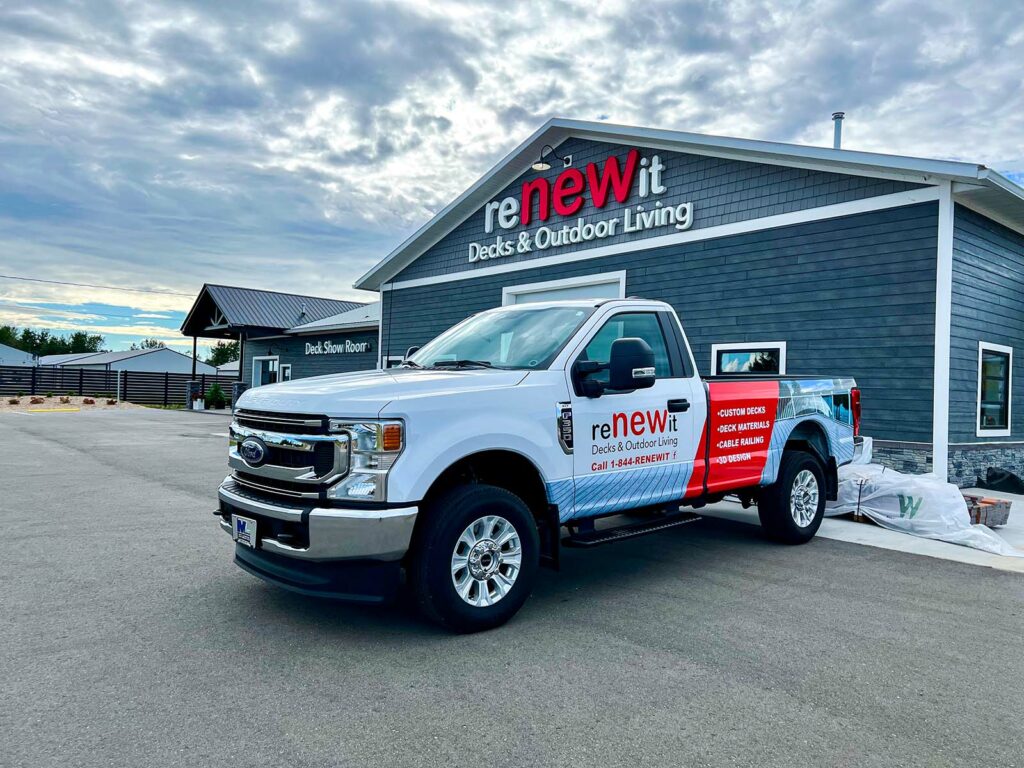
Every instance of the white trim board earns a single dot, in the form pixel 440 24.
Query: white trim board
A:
pixel 821 213
pixel 984 346
pixel 510 292
pixel 943 326
pixel 751 345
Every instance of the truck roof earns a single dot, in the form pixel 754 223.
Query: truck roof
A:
pixel 582 303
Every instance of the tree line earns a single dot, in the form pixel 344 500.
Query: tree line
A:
pixel 46 343
pixel 41 343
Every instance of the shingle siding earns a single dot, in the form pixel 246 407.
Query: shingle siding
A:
pixel 988 305
pixel 292 350
pixel 722 192
pixel 850 296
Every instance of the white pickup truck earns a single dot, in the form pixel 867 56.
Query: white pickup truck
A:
pixel 457 472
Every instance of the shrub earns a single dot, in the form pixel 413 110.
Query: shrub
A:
pixel 14 401
pixel 21 393
pixel 88 401
pixel 36 401
pixel 111 401
pixel 65 400
pixel 71 393
pixel 49 394
pixel 215 397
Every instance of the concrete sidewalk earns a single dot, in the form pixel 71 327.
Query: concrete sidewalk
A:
pixel 869 534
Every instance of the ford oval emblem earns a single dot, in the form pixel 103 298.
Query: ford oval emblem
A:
pixel 253 451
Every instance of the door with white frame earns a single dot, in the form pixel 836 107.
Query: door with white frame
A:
pixel 266 370
pixel 607 285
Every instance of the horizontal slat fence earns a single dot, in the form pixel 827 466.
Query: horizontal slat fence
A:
pixel 141 387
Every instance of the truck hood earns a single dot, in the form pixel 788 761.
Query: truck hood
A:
pixel 365 393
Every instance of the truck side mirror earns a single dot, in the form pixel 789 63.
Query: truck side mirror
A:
pixel 410 352
pixel 631 365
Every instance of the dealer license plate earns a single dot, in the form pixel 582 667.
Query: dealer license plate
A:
pixel 243 530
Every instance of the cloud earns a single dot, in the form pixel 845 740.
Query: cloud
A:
pixel 292 145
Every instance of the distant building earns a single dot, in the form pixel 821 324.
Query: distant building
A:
pixel 284 336
pixel 161 360
pixel 228 369
pixel 12 356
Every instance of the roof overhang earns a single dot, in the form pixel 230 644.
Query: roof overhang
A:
pixel 557 130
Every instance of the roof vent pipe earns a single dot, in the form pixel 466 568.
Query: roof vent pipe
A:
pixel 837 132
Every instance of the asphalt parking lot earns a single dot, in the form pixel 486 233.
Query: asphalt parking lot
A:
pixel 130 639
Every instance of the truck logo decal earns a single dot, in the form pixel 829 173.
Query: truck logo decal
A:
pixel 565 426
pixel 253 451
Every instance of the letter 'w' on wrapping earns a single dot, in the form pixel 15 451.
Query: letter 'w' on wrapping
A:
pixel 909 506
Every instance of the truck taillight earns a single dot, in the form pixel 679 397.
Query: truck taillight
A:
pixel 855 408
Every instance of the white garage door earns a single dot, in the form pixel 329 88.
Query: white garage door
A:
pixel 610 285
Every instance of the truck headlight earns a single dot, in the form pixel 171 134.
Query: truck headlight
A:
pixel 373 448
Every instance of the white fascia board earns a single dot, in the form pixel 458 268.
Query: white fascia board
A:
pixel 492 182
pixel 359 326
pixel 881 202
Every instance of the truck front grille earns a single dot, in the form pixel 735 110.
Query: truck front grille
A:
pixel 273 486
pixel 292 423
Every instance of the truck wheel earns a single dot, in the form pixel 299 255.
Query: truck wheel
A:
pixel 791 509
pixel 475 562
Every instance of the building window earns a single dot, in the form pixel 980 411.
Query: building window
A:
pixel 995 378
pixel 754 358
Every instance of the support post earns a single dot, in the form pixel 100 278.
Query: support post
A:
pixel 194 340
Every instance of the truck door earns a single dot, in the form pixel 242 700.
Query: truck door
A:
pixel 635 448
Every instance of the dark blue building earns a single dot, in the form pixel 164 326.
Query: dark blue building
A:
pixel 903 272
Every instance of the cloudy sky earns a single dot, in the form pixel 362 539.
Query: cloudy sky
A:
pixel 291 145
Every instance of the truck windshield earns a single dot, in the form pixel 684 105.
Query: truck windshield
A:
pixel 504 338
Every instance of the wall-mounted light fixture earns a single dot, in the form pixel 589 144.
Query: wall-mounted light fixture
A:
pixel 543 165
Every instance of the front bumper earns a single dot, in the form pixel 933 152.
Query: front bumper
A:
pixel 320 533
pixel 364 581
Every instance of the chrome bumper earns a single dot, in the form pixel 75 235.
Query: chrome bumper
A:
pixel 334 533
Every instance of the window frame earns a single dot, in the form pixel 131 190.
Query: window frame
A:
pixel 979 430
pixel 751 346
pixel 676 366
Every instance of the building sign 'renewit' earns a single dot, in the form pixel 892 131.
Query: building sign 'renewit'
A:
pixel 567 196
pixel 328 347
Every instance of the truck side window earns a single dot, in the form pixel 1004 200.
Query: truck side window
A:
pixel 641 325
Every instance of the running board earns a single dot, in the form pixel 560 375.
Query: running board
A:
pixel 608 535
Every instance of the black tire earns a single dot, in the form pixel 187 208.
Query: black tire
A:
pixel 774 507
pixel 431 568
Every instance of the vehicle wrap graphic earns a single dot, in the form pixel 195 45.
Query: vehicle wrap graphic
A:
pixel 749 423
pixel 741 417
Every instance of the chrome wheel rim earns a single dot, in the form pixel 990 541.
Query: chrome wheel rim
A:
pixel 803 499
pixel 486 561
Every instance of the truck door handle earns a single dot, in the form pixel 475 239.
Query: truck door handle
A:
pixel 678 406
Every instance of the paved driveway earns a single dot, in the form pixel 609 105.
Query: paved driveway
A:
pixel 128 638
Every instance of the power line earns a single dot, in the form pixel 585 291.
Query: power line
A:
pixel 90 285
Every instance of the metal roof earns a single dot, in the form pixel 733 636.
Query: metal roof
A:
pixel 975 185
pixel 8 353
pixel 250 308
pixel 367 316
pixel 65 358
pixel 102 358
